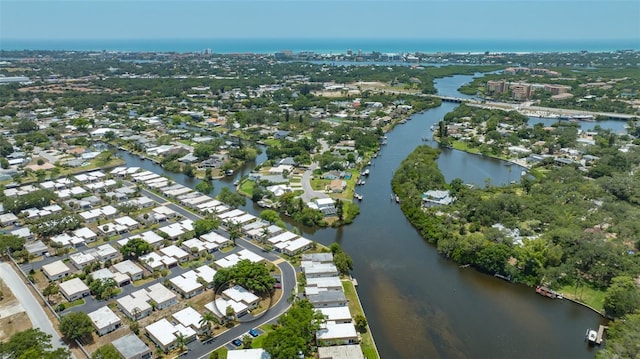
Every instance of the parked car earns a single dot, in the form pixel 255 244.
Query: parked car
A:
pixel 254 333
pixel 237 342
pixel 277 285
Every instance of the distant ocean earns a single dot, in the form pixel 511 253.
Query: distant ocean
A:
pixel 323 46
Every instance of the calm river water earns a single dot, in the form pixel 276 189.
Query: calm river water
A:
pixel 420 305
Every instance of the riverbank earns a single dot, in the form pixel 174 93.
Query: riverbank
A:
pixel 367 343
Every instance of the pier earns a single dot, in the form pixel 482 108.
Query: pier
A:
pixel 600 336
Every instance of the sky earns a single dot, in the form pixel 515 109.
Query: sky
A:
pixel 350 19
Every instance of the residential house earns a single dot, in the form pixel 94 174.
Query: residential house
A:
pixel 74 289
pixel 105 320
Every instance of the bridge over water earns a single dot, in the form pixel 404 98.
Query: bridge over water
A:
pixel 532 110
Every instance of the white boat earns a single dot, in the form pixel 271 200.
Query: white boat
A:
pixel 591 336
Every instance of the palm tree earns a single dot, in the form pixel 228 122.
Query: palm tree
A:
pixel 206 320
pixel 136 313
pixel 265 234
pixel 181 342
pixel 234 231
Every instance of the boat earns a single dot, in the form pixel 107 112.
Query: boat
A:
pixel 397 199
pixel 236 182
pixel 366 172
pixel 229 172
pixel 503 277
pixel 358 196
pixel 546 292
pixel 432 128
pixel 591 336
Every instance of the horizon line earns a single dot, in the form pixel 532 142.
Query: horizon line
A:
pixel 317 38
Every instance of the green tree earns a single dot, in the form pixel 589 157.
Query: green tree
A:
pixel 188 170
pixel 233 199
pixel 135 248
pixel 76 325
pixel 204 187
pixel 270 216
pixel 295 332
pixel 50 290
pixel 205 225
pixel 622 297
pixel 103 288
pixel 623 338
pixel 251 276
pixel 31 343
pixel 361 323
pixel 207 320
pixel 246 342
pixel 107 351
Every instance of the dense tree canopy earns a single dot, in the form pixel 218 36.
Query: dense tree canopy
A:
pixel 135 247
pixel 623 339
pixel 251 276
pixel 570 230
pixel 623 297
pixel 107 351
pixel 31 344
pixel 295 332
pixel 76 325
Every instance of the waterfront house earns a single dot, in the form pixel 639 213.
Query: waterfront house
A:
pixel 437 198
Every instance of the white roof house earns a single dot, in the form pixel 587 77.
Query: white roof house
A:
pixel 258 353
pixel 176 252
pixel 187 285
pixel 336 314
pixel 189 317
pixel 334 334
pixel 241 295
pixel 56 270
pixel 74 289
pixel 165 334
pixel 135 305
pixel 436 197
pixel 162 296
pixel 104 273
pixel 130 268
pixel 105 320
pixel 353 351
pixel 131 347
pixel 213 237
pixel 220 305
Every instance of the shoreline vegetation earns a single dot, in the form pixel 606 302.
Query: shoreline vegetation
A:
pixel 561 239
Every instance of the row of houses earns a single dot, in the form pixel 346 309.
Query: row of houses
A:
pixel 251 226
pixel 325 292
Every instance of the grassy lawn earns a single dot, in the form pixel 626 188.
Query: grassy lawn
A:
pixel 222 352
pixel 588 295
pixel 72 304
pixel 226 249
pixel 272 142
pixel 257 341
pixel 246 187
pixel 319 184
pixel 143 281
pixel 368 346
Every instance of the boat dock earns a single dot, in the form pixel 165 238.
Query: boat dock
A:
pixel 600 336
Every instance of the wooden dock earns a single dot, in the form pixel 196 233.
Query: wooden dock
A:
pixel 600 336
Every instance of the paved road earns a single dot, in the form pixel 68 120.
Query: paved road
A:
pixel 309 193
pixel 39 318
pixel 289 282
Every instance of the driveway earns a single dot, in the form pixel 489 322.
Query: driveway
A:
pixel 39 318
pixel 309 193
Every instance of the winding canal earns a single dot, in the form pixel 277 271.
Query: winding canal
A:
pixel 420 305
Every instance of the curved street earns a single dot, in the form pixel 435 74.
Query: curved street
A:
pixel 38 317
